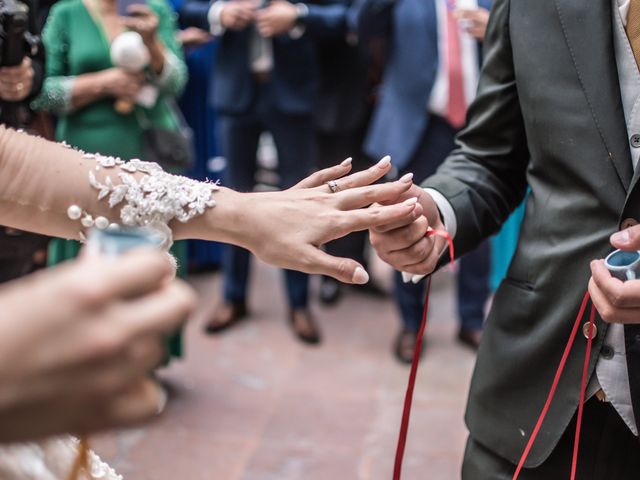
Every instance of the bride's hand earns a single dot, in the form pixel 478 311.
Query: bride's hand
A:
pixel 77 344
pixel 288 228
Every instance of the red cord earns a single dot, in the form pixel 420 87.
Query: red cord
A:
pixel 406 413
pixel 552 391
pixel 408 399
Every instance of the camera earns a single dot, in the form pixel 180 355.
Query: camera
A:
pixel 16 42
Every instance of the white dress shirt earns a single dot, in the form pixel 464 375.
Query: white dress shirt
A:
pixel 439 100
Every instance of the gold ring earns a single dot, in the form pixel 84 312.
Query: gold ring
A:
pixel 20 86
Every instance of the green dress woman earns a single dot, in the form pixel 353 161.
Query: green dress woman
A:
pixel 83 87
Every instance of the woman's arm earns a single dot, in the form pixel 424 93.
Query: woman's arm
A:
pixel 40 181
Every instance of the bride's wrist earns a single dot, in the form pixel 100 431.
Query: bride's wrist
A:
pixel 228 220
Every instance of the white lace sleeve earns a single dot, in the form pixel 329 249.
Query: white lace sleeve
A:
pixel 151 199
pixel 48 460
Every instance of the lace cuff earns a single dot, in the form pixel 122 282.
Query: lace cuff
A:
pixel 148 196
pixel 56 95
pixel 173 76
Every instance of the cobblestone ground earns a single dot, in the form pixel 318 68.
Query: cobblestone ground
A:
pixel 254 404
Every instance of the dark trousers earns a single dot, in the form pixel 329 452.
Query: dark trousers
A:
pixel 608 451
pixel 473 277
pixel 294 139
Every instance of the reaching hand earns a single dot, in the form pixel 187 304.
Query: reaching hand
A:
pixel 277 18
pixel 238 14
pixel 615 300
pixel 403 245
pixel 77 344
pixel 120 83
pixel 288 228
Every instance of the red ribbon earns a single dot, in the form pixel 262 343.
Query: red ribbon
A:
pixel 406 413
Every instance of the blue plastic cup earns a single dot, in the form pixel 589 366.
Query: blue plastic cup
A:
pixel 624 265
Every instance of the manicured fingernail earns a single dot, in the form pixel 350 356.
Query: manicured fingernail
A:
pixel 411 201
pixel 417 278
pixel 621 237
pixel 406 277
pixel 408 178
pixel 347 162
pixel 384 162
pixel 360 276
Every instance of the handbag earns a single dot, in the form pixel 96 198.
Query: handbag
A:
pixel 173 148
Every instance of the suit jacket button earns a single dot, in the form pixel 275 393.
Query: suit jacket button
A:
pixel 628 223
pixel 635 141
pixel 585 330
pixel 606 352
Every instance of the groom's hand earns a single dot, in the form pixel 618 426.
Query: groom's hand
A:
pixel 615 300
pixel 404 244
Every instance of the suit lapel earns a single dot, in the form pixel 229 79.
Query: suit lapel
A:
pixel 587 28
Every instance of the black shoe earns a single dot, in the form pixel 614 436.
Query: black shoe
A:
pixel 470 338
pixel 304 326
pixel 228 314
pixel 405 346
pixel 330 291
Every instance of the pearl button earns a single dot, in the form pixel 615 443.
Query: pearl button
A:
pixel 74 212
pixel 585 330
pixel 87 221
pixel 102 223
pixel 114 226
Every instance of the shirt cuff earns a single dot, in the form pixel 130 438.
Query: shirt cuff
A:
pixel 215 25
pixel 446 211
pixel 450 225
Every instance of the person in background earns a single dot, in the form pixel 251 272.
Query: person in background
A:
pixel 83 87
pixel 349 72
pixel 430 77
pixel 22 252
pixel 266 79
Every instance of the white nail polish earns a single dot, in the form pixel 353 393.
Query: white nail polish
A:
pixel 406 277
pixel 408 178
pixel 411 201
pixel 347 162
pixel 417 278
pixel 384 162
pixel 360 276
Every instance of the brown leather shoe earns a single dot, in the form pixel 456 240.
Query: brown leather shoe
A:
pixel 405 346
pixel 228 314
pixel 470 338
pixel 304 326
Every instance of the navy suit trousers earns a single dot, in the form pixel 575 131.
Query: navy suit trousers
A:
pixel 294 140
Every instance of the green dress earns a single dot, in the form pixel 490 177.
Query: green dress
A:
pixel 76 44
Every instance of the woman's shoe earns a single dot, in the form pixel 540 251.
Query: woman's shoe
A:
pixel 228 314
pixel 304 326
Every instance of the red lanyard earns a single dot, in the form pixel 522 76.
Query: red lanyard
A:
pixel 406 413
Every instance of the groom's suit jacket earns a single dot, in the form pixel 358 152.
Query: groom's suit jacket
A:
pixel 548 115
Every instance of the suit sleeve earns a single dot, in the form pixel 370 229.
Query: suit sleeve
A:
pixel 485 178
pixel 194 13
pixel 327 20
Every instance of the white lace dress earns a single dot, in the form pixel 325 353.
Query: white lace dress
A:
pixel 49 460
pixel 117 194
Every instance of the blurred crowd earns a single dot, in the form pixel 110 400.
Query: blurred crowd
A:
pixel 259 94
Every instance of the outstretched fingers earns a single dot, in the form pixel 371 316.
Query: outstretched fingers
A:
pixel 364 219
pixel 343 269
pixel 363 177
pixel 319 178
pixel 361 197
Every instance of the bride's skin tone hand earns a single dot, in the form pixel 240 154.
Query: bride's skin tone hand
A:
pixel 77 343
pixel 39 180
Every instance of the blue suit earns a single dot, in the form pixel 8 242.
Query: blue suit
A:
pixel 399 120
pixel 282 104
pixel 417 141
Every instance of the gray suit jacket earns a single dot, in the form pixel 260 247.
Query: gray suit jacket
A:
pixel 548 115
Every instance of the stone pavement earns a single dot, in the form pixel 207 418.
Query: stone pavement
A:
pixel 254 404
